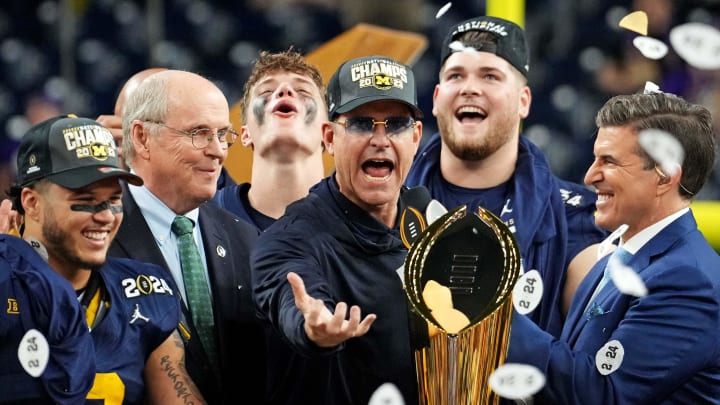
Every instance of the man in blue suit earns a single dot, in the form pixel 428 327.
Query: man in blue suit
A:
pixel 663 347
pixel 176 134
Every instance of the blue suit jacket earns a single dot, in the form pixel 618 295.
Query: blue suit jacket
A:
pixel 671 337
pixel 240 337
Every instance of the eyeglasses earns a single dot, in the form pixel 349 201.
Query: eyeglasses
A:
pixel 366 125
pixel 201 137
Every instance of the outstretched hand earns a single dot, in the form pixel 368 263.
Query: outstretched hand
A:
pixel 324 328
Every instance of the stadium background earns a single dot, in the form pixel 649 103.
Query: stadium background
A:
pixel 74 55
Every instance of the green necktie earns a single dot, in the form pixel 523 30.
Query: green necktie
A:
pixel 196 286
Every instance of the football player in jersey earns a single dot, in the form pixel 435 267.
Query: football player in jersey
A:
pixel 479 159
pixel 69 194
pixel 44 339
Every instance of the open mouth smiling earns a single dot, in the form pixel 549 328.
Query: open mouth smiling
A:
pixel 378 169
pixel 470 114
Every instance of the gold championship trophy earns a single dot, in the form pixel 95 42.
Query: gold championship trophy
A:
pixel 459 275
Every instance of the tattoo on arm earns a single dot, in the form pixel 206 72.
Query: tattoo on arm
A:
pixel 183 385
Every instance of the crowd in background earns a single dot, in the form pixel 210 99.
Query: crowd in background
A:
pixel 73 56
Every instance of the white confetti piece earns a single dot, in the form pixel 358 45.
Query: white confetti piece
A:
pixel 610 357
pixel 604 247
pixel 443 10
pixel 664 148
pixel 386 394
pixel 434 211
pixel 698 44
pixel 456 46
pixel 527 292
pixel 34 352
pixel 651 87
pixel 516 381
pixel 626 279
pixel 651 48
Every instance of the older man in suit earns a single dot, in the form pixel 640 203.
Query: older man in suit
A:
pixel 656 348
pixel 176 132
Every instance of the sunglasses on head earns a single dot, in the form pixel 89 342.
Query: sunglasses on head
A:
pixel 366 125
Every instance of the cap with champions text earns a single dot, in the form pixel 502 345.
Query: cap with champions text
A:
pixel 71 152
pixel 511 43
pixel 371 78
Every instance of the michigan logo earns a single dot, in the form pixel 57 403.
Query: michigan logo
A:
pixel 383 82
pixel 99 151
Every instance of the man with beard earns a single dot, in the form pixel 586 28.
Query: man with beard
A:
pixel 479 159
pixel 69 195
pixel 283 109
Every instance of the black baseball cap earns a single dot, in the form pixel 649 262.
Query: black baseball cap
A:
pixel 511 43
pixel 71 152
pixel 371 78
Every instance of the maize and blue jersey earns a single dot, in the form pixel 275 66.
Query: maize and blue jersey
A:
pixel 36 297
pixel 142 312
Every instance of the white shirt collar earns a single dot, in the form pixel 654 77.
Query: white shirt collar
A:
pixel 634 244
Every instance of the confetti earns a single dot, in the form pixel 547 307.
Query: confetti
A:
pixel 434 211
pixel 516 381
pixel 386 394
pixel 438 299
pixel 456 46
pixel 698 44
pixel 443 10
pixel 651 48
pixel 651 88
pixel 664 148
pixel 527 292
pixel 401 272
pixel 626 279
pixel 610 357
pixel 604 247
pixel 636 21
pixel 435 295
